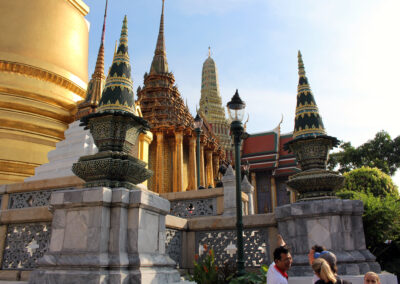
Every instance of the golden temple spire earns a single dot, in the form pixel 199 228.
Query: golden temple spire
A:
pixel 96 83
pixel 160 64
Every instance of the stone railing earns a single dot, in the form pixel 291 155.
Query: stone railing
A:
pixel 186 238
pixel 200 203
pixel 25 224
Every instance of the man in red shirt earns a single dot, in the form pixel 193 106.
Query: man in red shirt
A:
pixel 277 272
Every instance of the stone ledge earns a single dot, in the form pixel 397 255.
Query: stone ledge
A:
pixel 149 200
pixel 194 194
pixel 173 222
pixel 64 182
pixel 26 215
pixel 307 209
pixel 229 222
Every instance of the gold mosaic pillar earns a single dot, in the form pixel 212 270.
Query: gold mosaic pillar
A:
pixel 202 166
pixel 192 163
pixel 159 172
pixel 178 163
pixel 144 145
pixel 209 168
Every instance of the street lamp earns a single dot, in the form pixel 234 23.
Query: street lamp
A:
pixel 198 123
pixel 236 113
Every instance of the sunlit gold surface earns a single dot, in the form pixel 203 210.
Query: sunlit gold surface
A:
pixel 43 73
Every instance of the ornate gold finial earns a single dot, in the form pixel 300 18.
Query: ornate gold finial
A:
pixel 302 71
pixel 209 51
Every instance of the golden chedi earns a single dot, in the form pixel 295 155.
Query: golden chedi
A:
pixel 43 73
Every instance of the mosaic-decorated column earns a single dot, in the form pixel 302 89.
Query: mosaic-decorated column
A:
pixel 209 168
pixel 192 163
pixel 202 167
pixel 159 177
pixel 178 163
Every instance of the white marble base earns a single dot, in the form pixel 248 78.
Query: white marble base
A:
pixel 78 142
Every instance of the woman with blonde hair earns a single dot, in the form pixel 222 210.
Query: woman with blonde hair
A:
pixel 324 272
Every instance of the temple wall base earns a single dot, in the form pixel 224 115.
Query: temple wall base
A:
pixel 104 235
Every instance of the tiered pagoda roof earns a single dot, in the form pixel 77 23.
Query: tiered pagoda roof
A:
pixel 160 101
pixel 265 151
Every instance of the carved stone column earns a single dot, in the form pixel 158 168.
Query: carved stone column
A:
pixel 159 177
pixel 178 163
pixel 202 167
pixel 192 163
pixel 209 168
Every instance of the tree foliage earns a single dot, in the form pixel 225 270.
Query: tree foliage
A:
pixel 382 152
pixel 381 217
pixel 370 180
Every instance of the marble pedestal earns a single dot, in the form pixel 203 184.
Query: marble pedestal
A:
pixel 333 223
pixel 104 235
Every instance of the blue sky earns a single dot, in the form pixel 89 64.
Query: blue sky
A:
pixel 351 51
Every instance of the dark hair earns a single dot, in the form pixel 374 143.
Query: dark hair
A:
pixel 318 248
pixel 278 251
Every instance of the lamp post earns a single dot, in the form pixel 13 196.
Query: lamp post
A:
pixel 236 113
pixel 198 123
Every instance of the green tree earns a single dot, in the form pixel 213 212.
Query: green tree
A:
pixel 381 217
pixel 382 152
pixel 370 180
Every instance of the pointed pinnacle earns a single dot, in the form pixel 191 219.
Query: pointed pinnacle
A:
pixel 124 32
pixel 302 71
pixel 160 47
pixel 104 24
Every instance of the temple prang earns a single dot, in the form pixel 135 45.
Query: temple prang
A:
pixel 172 153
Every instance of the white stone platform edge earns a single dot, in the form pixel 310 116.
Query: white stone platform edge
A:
pixel 386 278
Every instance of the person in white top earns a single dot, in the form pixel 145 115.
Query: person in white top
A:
pixel 277 272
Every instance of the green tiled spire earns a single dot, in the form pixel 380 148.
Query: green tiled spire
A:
pixel 308 122
pixel 118 91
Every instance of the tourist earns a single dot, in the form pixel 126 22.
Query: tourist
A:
pixel 371 278
pixel 325 274
pixel 277 272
